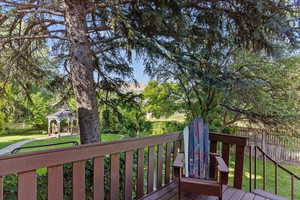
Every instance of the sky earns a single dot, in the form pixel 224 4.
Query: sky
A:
pixel 138 72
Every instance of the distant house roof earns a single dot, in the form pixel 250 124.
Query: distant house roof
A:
pixel 63 113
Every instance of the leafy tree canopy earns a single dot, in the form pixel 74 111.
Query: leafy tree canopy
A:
pixel 251 89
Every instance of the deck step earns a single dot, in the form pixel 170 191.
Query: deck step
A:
pixel 268 195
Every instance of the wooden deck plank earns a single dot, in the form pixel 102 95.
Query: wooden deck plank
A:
pixel 159 194
pixel 238 195
pixel 170 193
pixel 267 195
pixel 257 197
pixel 229 193
pixel 248 196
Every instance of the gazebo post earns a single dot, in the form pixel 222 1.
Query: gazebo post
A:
pixel 71 126
pixel 49 127
pixel 58 127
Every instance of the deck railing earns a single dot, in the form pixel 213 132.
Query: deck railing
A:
pixel 259 154
pixel 25 166
pixel 153 170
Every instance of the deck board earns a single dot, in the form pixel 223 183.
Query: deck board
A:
pixel 228 194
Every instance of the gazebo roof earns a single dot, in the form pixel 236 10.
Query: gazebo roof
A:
pixel 63 113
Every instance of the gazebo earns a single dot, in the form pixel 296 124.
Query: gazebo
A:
pixel 58 117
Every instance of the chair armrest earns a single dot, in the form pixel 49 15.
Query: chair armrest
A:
pixel 179 163
pixel 214 154
pixel 222 167
pixel 223 170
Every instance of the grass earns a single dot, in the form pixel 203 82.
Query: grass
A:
pixel 160 127
pixel 17 133
pixel 179 117
pixel 20 134
pixel 105 138
pixel 284 180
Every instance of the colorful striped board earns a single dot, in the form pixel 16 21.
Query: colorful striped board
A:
pixel 196 148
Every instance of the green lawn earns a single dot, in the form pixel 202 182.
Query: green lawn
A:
pixel 284 180
pixel 105 138
pixel 179 117
pixel 20 134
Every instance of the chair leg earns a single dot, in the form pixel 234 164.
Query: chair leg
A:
pixel 179 183
pixel 179 188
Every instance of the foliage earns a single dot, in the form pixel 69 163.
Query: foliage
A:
pixel 10 106
pixel 247 88
pixel 123 113
pixel 161 99
pixel 39 109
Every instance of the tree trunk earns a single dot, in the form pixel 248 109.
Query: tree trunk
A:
pixel 81 67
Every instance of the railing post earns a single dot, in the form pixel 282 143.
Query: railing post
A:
pixel 150 169
pixel 1 188
pixel 114 176
pixel 292 188
pixel 239 166
pixel 56 182
pixel 27 185
pixel 168 162
pixel 175 152
pixel 159 173
pixel 250 168
pixel 225 156
pixel 264 171
pixel 140 174
pixel 78 182
pixel 255 158
pixel 212 168
pixel 128 175
pixel 276 178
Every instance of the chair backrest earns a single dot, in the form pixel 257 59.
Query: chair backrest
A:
pixel 196 148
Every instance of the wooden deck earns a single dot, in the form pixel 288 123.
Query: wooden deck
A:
pixel 228 194
pixel 170 193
